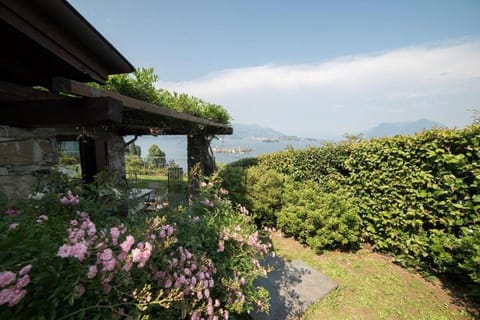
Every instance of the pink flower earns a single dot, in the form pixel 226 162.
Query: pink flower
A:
pixel 5 295
pixel 23 281
pixel 13 225
pixel 210 310
pixel 106 255
pixel 170 230
pixel 64 251
pixel 127 244
pixel 79 250
pixel 195 316
pixel 221 246
pixel 122 256
pixel 187 271
pixel 128 266
pixel 92 272
pixel 136 255
pixel 141 254
pixel 11 295
pixel 115 234
pixel 70 199
pixel 109 265
pixel 73 222
pixel 6 278
pixel 168 283
pixel 207 203
pixel 25 270
pixel 12 212
pixel 223 191
pixel 203 184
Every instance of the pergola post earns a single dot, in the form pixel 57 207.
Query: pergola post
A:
pixel 200 161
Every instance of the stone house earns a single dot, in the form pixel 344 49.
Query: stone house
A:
pixel 49 54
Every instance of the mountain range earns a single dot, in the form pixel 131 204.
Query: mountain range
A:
pixel 245 131
pixel 385 129
pixel 403 128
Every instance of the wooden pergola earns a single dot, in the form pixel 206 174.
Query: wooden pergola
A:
pixel 49 52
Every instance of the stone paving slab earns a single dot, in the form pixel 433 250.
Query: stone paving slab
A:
pixel 293 286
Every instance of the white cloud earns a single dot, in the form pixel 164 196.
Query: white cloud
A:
pixel 350 93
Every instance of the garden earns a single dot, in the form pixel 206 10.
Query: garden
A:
pixel 380 217
pixel 67 255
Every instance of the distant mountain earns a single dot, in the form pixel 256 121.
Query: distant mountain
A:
pixel 404 128
pixel 245 131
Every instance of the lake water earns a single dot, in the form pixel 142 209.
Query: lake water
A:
pixel 175 147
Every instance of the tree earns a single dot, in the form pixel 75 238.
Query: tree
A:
pixel 134 149
pixel 156 157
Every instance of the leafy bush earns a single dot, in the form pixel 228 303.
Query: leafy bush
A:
pixel 416 197
pixel 60 262
pixel 259 189
pixel 321 220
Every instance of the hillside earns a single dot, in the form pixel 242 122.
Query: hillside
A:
pixel 404 128
pixel 244 131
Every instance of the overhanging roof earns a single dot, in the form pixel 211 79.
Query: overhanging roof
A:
pixel 48 43
pixel 47 38
pixel 74 104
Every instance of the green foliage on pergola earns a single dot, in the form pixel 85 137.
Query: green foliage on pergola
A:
pixel 141 85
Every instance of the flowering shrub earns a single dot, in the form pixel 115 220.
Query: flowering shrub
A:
pixel 60 262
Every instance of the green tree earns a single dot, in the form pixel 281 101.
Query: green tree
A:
pixel 134 150
pixel 156 157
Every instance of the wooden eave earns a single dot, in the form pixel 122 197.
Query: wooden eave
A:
pixel 77 104
pixel 139 117
pixel 50 38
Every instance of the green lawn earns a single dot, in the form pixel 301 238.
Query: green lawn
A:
pixel 371 286
pixel 145 181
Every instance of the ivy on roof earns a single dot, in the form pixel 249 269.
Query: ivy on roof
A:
pixel 141 85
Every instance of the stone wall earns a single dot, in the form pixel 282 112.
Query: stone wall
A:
pixel 116 155
pixel 28 153
pixel 24 153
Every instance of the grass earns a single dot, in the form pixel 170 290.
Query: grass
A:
pixel 371 286
pixel 144 181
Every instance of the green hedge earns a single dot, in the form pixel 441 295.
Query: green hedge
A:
pixel 417 197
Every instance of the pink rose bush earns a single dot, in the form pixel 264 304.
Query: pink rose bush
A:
pixel 12 286
pixel 197 262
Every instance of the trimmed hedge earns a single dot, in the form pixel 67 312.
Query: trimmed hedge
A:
pixel 417 197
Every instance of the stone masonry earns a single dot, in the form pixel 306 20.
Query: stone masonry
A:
pixel 24 154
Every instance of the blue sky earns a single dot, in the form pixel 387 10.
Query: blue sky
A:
pixel 309 68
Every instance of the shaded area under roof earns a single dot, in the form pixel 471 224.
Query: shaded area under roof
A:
pixel 48 43
pixel 48 38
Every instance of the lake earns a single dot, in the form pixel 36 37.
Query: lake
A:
pixel 175 147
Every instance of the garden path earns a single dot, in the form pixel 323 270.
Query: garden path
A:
pixel 293 286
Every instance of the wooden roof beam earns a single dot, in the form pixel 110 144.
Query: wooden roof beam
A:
pixel 84 90
pixel 70 112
